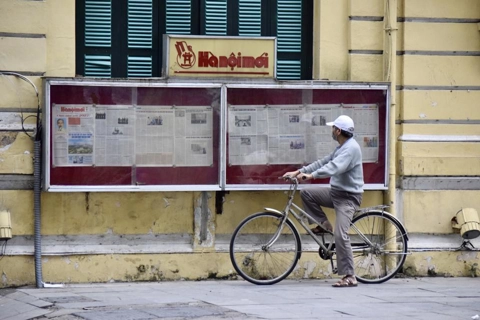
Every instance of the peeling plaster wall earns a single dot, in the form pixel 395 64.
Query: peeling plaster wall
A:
pixel 204 222
pixel 16 153
pixel 444 264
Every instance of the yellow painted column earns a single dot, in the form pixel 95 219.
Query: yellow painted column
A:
pixel 316 40
pixel 390 72
pixel 333 48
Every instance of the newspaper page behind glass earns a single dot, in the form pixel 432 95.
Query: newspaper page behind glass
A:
pixel 174 136
pixel 293 134
pixel 365 117
pixel 193 136
pixel 248 139
pixel 154 144
pixel 319 135
pixel 286 134
pixel 114 135
pixel 72 135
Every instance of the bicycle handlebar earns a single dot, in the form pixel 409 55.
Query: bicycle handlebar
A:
pixel 292 179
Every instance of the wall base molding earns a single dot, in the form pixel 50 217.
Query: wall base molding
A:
pixel 183 243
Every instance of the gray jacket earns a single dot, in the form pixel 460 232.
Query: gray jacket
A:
pixel 343 165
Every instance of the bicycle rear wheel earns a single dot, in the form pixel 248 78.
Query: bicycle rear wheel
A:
pixel 379 244
pixel 256 262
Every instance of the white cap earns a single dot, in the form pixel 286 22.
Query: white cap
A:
pixel 344 123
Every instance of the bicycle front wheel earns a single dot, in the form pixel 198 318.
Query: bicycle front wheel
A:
pixel 253 254
pixel 379 244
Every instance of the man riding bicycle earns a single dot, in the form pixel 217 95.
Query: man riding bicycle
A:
pixel 344 166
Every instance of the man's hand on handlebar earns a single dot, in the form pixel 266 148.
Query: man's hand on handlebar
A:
pixel 291 174
pixel 304 177
pixel 297 174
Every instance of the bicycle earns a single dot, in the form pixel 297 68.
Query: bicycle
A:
pixel 266 246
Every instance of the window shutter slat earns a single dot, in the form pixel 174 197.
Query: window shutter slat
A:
pixel 249 18
pixel 139 66
pixel 216 17
pixel 98 66
pixel 178 17
pixel 289 69
pixel 140 24
pixel 98 23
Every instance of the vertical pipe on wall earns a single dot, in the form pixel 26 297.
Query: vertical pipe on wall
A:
pixel 36 207
pixel 390 75
pixel 37 182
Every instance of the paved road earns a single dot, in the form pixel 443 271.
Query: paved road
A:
pixel 419 298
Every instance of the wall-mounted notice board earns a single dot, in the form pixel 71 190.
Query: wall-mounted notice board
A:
pixel 272 130
pixel 159 135
pixel 109 136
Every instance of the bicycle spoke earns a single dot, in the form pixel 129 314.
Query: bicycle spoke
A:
pixel 396 239
pixel 275 264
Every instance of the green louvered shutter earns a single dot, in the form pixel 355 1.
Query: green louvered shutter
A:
pixel 98 34
pixel 289 37
pixel 250 18
pixel 98 23
pixel 216 17
pixel 139 37
pixel 133 50
pixel 140 24
pixel 178 16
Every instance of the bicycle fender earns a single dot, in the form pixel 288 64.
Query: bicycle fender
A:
pixel 281 213
pixel 272 210
pixel 402 227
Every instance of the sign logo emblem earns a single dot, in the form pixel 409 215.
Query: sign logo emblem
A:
pixel 185 56
pixel 211 56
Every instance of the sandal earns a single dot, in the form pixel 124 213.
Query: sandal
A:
pixel 347 281
pixel 326 225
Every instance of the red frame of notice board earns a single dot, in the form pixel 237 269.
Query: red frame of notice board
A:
pixel 374 173
pixel 219 95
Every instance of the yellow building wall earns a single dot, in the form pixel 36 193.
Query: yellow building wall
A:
pixel 441 9
pixel 204 266
pixel 348 45
pixel 117 213
pixel 440 131
pixel 333 49
pixel 431 211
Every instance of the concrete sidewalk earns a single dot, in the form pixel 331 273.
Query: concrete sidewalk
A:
pixel 419 298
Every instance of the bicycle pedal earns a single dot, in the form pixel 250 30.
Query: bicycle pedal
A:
pixel 335 271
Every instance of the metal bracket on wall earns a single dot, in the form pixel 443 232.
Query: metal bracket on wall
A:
pixel 219 201
pixel 466 245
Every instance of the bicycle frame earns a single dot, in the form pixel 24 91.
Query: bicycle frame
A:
pixel 290 208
